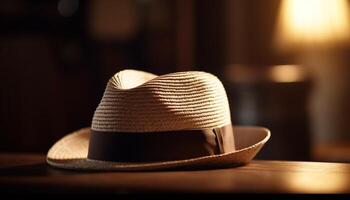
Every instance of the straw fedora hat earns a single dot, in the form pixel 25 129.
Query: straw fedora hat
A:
pixel 149 122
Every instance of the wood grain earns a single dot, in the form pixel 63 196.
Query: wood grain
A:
pixel 30 173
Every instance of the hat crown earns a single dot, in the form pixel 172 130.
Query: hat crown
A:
pixel 137 101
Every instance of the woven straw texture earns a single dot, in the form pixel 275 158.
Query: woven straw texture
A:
pixel 137 101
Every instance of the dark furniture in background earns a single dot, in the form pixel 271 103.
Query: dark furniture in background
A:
pixel 54 69
pixel 258 97
pixel 282 108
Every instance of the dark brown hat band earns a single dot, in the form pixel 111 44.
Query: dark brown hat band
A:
pixel 160 146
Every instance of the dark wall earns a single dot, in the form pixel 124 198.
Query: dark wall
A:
pixel 54 66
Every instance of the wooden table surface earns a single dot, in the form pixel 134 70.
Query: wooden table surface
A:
pixel 28 172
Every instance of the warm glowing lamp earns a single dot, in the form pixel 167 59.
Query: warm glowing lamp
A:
pixel 312 23
pixel 317 31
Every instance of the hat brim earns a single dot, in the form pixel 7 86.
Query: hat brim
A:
pixel 71 153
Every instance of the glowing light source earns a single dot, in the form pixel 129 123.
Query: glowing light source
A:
pixel 287 73
pixel 310 22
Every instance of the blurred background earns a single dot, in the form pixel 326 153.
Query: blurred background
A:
pixel 284 64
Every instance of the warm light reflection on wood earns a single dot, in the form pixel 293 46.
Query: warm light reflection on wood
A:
pixel 312 22
pixel 316 182
pixel 258 176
